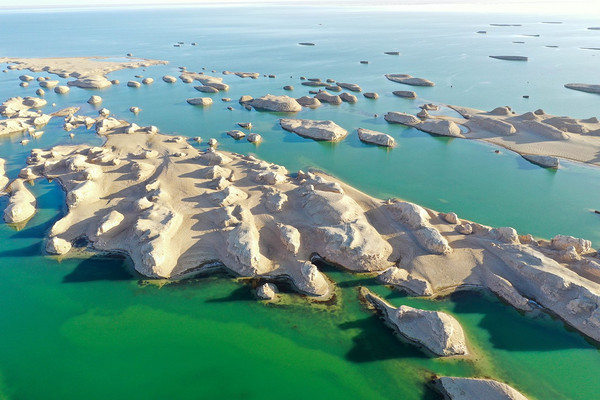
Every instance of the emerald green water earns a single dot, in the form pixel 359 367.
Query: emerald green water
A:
pixel 85 328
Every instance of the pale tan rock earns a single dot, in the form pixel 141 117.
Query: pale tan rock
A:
pixel 437 332
pixel 402 118
pixel 325 97
pixel 409 80
pixel 473 388
pixel 254 138
pixel 134 84
pixel 21 204
pixel 95 99
pixel 374 137
pixel 200 101
pixel 58 246
pixel 275 103
pixel 563 242
pixel 169 79
pixel 110 221
pixel 318 130
pixel 267 291
pixel 348 98
pixel 401 278
pixel 310 102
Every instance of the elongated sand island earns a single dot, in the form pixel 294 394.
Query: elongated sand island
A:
pixel 89 72
pixel 539 137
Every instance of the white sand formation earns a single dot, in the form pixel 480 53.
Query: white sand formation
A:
pixel 584 87
pixel 179 205
pixel 20 116
pixel 318 130
pixel 270 102
pixel 90 72
pixel 206 80
pixel 409 80
pixel 437 332
pixel 531 134
pixel 375 137
pixel 471 388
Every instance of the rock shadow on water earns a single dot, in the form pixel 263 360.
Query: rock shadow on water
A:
pixel 100 268
pixel 376 342
pixel 508 330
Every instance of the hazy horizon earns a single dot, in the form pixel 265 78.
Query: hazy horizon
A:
pixel 583 7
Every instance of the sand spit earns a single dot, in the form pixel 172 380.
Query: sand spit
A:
pixel 409 80
pixel 529 134
pixel 471 388
pixel 584 87
pixel 510 58
pixel 436 332
pixel 89 72
pixel 180 205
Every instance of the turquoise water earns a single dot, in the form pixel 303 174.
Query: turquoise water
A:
pixel 83 328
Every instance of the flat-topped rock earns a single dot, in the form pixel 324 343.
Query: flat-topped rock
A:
pixel 169 79
pixel 584 87
pixel 318 130
pixel 325 97
pixel 307 101
pixel 455 388
pixel 353 87
pixel 375 137
pixel 49 84
pixel 134 84
pixel 206 89
pixel 200 101
pixel 437 332
pixel 441 127
pixel 61 89
pixel 91 82
pixel 276 103
pixel 348 98
pixel 510 58
pixel 543 161
pixel 401 118
pixel 409 80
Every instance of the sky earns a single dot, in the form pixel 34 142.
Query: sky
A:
pixel 583 7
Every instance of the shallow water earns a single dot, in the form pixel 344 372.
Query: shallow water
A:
pixel 83 327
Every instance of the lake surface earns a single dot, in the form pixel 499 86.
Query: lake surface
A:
pixel 83 327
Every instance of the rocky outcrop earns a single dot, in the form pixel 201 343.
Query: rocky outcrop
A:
pixel 441 127
pixel 21 204
pixel 348 98
pixel 58 246
pixel 584 87
pixel 276 103
pixel 325 97
pixel 267 291
pixel 407 94
pixel 402 279
pixel 169 79
pixel 307 101
pixel 510 58
pixel 200 101
pixel 353 87
pixel 318 130
pixel 472 388
pixel 134 84
pixel 543 161
pixel 374 137
pixel 401 118
pixel 437 332
pixel 90 82
pixel 409 80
